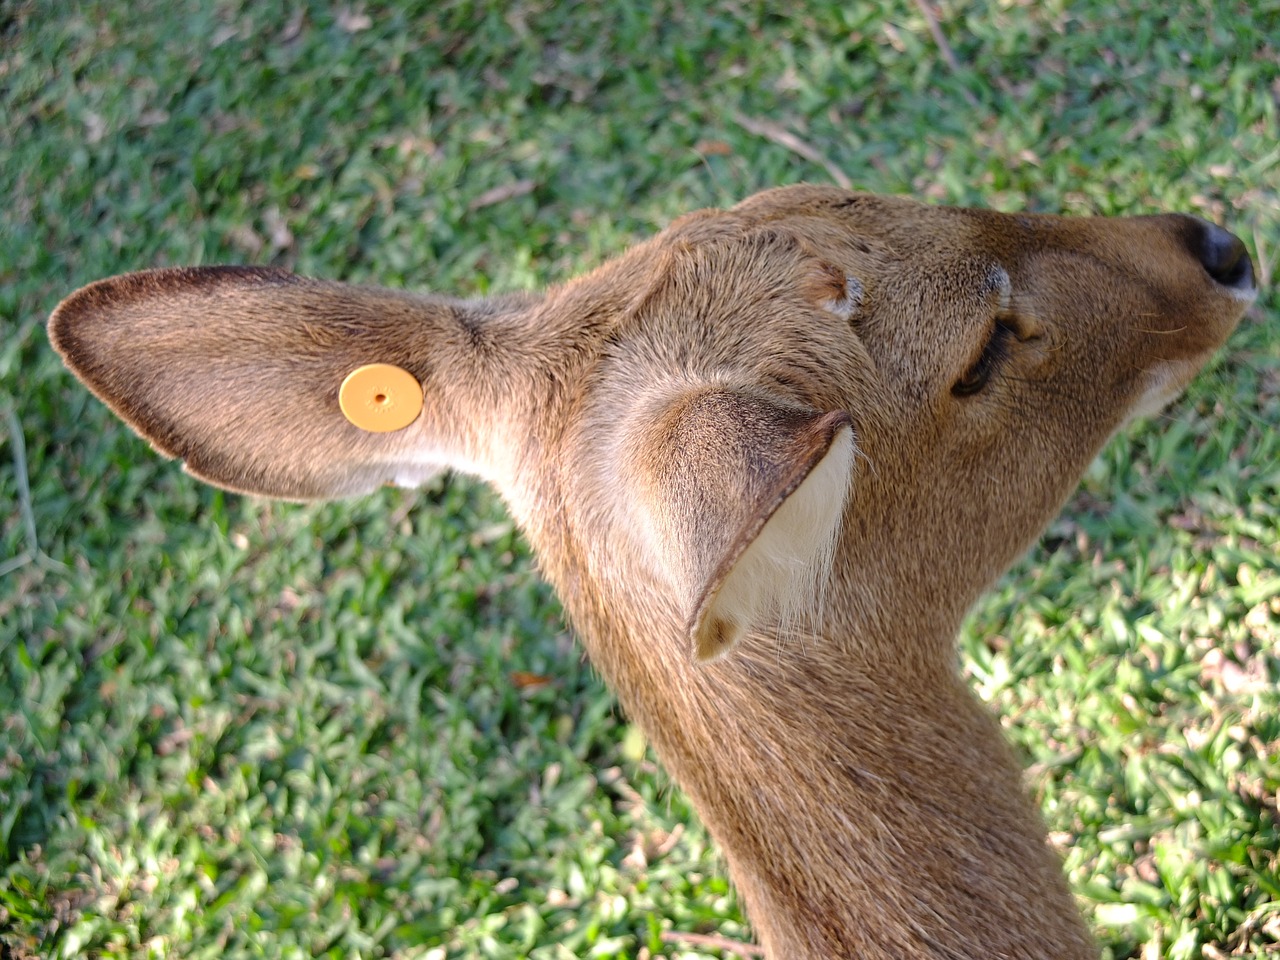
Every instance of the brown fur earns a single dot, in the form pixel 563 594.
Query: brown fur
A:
pixel 677 432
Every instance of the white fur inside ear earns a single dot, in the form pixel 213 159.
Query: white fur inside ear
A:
pixel 782 575
pixel 846 306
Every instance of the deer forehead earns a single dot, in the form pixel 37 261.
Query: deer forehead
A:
pixel 728 294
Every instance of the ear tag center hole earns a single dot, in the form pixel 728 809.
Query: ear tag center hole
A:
pixel 379 397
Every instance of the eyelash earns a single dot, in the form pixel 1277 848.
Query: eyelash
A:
pixel 993 354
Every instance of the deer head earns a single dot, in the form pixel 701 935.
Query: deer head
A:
pixel 820 416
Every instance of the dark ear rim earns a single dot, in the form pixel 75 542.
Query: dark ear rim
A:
pixel 823 433
pixel 102 296
pixel 97 302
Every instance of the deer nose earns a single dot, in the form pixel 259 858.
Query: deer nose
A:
pixel 1223 256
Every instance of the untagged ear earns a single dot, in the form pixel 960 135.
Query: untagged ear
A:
pixel 237 372
pixel 745 496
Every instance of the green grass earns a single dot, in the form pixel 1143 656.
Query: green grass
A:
pixel 237 729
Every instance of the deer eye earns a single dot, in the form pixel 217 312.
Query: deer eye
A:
pixel 993 354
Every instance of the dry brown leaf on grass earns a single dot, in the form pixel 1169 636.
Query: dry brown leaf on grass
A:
pixel 500 194
pixel 776 133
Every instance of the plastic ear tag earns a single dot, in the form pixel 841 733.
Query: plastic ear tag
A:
pixel 380 398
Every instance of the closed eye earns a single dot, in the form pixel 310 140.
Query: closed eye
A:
pixel 994 352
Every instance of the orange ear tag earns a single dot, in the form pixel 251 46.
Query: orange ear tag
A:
pixel 380 398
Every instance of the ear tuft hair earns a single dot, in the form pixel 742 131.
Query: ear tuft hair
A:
pixel 781 573
pixel 743 497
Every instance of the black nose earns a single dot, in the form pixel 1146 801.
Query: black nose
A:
pixel 1224 256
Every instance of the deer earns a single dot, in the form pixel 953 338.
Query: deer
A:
pixel 768 459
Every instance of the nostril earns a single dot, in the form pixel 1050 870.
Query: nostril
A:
pixel 1224 257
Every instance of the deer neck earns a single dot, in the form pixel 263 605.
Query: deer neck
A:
pixel 868 806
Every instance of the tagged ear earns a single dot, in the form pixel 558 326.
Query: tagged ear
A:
pixel 745 497
pixel 239 371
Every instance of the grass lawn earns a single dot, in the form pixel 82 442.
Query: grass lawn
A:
pixel 230 728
